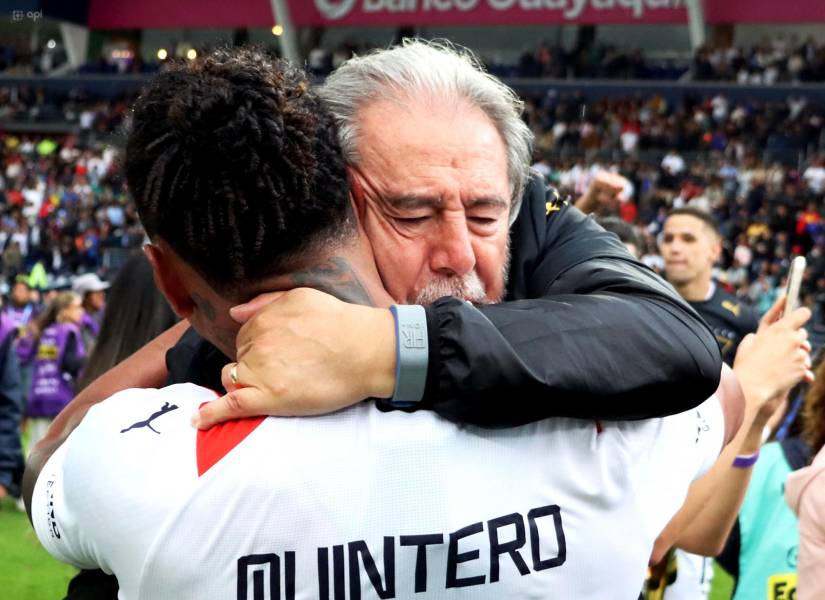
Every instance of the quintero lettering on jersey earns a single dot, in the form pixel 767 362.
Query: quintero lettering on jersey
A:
pixel 342 567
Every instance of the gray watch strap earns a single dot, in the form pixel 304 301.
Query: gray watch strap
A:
pixel 412 354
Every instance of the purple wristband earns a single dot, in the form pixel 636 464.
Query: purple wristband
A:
pixel 748 460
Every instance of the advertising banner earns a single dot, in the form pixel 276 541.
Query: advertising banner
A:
pixel 765 12
pixel 484 12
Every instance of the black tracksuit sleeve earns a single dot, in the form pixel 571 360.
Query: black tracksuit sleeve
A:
pixel 591 333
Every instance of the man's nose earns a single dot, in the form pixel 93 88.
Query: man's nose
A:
pixel 671 247
pixel 452 253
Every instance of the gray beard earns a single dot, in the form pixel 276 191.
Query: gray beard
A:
pixel 468 287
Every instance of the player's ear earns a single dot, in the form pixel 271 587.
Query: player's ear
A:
pixel 168 279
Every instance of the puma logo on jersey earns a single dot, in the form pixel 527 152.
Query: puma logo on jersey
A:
pixel 732 307
pixel 148 422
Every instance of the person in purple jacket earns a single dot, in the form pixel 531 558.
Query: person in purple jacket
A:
pixel 57 361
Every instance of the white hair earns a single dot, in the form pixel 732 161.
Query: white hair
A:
pixel 434 70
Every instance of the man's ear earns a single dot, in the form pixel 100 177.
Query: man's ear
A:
pixel 717 249
pixel 356 195
pixel 168 280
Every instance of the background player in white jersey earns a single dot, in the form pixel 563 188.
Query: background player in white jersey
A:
pixel 239 180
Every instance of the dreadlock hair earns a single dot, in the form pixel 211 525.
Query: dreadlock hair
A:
pixel 234 162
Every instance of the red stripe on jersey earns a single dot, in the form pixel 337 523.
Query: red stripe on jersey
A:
pixel 215 443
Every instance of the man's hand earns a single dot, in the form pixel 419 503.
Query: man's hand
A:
pixel 769 363
pixel 603 190
pixel 305 352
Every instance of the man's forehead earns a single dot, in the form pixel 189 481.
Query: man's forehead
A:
pixel 427 148
pixel 688 224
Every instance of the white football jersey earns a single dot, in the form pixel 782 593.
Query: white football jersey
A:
pixel 364 504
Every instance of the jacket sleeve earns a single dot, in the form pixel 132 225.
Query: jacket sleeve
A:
pixel 74 356
pixel 596 335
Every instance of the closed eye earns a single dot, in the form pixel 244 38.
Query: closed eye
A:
pixel 411 220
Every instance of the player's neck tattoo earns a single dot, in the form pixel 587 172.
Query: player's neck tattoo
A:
pixel 205 306
pixel 336 277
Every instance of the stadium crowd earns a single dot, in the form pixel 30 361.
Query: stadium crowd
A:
pixel 756 167
pixel 776 59
pixel 64 207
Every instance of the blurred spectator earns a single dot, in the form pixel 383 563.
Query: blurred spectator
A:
pixel 815 176
pixel 805 493
pixel 58 358
pixel 20 308
pixel 626 234
pixel 691 244
pixel 91 291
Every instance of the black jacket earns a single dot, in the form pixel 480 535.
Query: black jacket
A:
pixel 729 319
pixel 588 331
